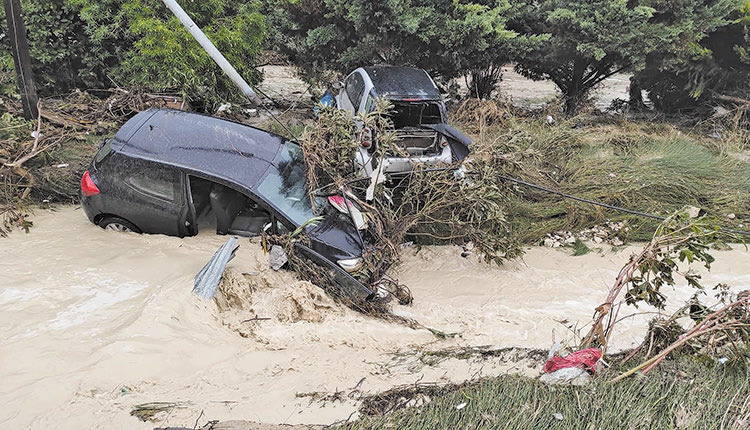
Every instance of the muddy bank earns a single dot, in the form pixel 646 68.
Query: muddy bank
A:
pixel 97 322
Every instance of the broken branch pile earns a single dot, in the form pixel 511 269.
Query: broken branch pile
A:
pixel 46 157
pixel 460 204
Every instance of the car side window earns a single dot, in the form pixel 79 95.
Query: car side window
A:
pixel 370 104
pixel 156 182
pixel 355 86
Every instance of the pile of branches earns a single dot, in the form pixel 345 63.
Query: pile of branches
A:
pixel 27 169
pixel 462 204
pixel 722 331
pixel 684 238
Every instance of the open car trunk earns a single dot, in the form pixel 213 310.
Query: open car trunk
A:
pixel 410 119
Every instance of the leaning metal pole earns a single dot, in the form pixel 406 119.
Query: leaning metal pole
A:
pixel 209 47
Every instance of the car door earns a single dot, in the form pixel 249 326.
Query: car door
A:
pixel 350 97
pixel 154 197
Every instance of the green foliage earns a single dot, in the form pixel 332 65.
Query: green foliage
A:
pixel 60 51
pixel 445 37
pixel 87 43
pixel 687 76
pixel 592 40
pixel 150 47
pixel 681 238
pixel 580 248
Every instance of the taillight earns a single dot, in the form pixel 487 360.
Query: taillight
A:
pixel 88 187
pixel 365 137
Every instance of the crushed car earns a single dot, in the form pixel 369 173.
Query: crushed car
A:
pixel 419 117
pixel 173 172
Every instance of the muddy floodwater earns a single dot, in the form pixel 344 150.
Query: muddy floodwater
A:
pixel 95 322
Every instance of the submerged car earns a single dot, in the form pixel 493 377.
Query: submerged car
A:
pixel 419 117
pixel 172 172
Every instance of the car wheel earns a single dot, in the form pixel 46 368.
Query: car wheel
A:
pixel 118 224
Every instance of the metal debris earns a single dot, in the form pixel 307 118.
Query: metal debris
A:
pixel 207 280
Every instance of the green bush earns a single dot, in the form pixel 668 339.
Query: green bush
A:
pixel 95 44
pixel 691 76
pixel 592 40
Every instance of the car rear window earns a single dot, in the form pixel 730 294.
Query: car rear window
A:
pixel 105 150
pixel 156 183
pixel 414 114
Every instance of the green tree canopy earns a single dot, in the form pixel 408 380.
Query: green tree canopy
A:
pixel 445 37
pixel 101 43
pixel 687 76
pixel 592 40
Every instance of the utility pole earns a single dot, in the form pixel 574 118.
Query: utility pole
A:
pixel 20 47
pixel 209 47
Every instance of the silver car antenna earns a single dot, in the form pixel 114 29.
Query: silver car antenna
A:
pixel 217 56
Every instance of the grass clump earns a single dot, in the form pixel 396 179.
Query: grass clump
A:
pixel 580 248
pixel 684 394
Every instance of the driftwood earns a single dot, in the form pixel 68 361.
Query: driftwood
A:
pixel 732 99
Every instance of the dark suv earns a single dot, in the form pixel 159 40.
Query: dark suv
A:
pixel 169 172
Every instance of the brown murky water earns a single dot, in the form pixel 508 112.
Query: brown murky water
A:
pixel 95 322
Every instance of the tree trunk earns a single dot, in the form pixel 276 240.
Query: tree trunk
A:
pixel 20 50
pixel 636 95
pixel 575 94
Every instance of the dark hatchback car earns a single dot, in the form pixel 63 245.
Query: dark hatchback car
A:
pixel 171 172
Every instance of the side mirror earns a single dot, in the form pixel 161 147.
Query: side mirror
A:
pixel 337 85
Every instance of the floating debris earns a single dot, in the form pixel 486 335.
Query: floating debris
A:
pixel 207 280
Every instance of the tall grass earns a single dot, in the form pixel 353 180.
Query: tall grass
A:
pixel 651 167
pixel 682 395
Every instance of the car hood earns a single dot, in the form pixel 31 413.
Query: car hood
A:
pixel 336 237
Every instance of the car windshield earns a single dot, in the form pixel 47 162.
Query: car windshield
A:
pixel 285 185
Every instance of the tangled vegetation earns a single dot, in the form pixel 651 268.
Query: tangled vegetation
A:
pixel 682 238
pixel 42 161
pixel 650 166
pixel 461 204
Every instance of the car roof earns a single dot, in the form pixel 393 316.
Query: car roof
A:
pixel 402 82
pixel 215 147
